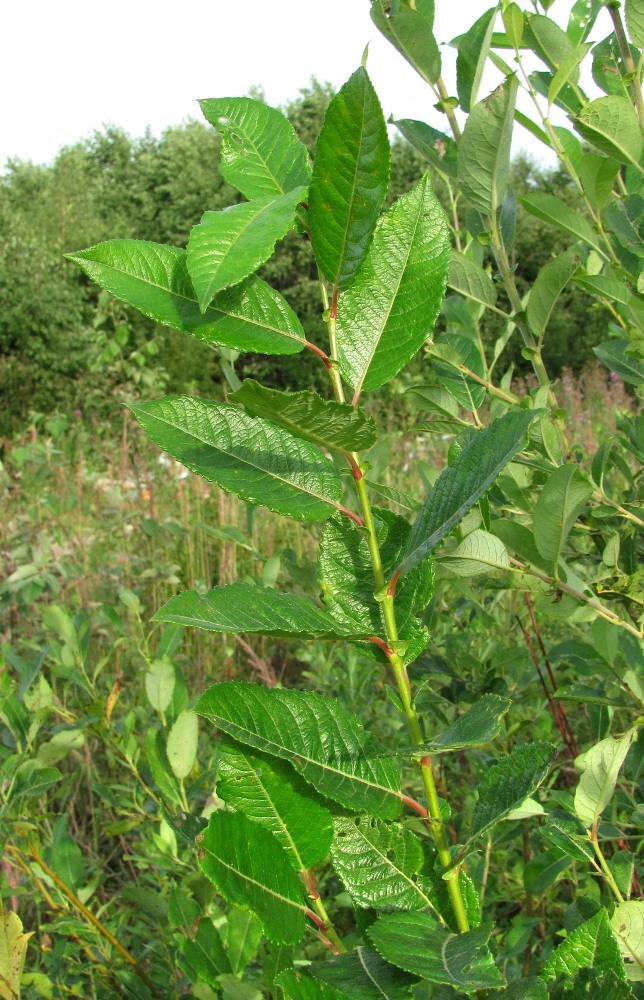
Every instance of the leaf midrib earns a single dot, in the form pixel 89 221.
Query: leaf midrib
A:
pixel 252 881
pixel 413 885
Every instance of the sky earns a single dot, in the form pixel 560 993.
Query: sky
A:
pixel 71 67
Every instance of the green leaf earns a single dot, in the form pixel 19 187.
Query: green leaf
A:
pixel 437 147
pixel 484 150
pixel 182 909
pixel 409 28
pixel 295 985
pixel 544 870
pixel 159 683
pixel 233 988
pixel 268 791
pixel 323 742
pixel 416 943
pixel 362 975
pixel 562 499
pixel 350 178
pixel 635 22
pixel 547 40
pixel 157 757
pixel 243 935
pixel 592 945
pixel 612 126
pixel 614 355
pixel 398 497
pixel 261 463
pixel 154 279
pixel 568 70
pixel 242 607
pixel 181 747
pixel 479 553
pixel 336 426
pixel 251 871
pixel 550 282
pixel 461 351
pixel 507 783
pixel 385 317
pixel 567 833
pixel 463 483
pixel 381 864
pixel 556 213
pixel 476 727
pixel 600 767
pixel 527 989
pixel 260 153
pixel 227 246
pixel 597 174
pixel 204 957
pixel 470 280
pixel 627 923
pixel 473 48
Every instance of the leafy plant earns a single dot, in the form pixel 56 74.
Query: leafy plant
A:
pixel 300 778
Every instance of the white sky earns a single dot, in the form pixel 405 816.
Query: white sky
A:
pixel 70 67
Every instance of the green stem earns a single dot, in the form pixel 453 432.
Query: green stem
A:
pixel 604 867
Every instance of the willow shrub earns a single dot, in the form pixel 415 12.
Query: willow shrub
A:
pixel 301 778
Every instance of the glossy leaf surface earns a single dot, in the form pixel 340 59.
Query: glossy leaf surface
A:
pixel 417 943
pixel 362 974
pixel 261 463
pixel 612 126
pixel 484 150
pixel 260 153
pixel 590 945
pixel 268 791
pixel 380 864
pixel 464 482
pixel 154 279
pixel 507 783
pixel 241 607
pixel 479 725
pixel 227 246
pixel 556 213
pixel 324 743
pixel 385 317
pixel 409 28
pixel 479 553
pixel 350 179
pixel 251 871
pixel 336 426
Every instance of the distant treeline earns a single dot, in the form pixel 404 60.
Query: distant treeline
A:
pixel 64 345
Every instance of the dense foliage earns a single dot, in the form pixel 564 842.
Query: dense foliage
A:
pixel 443 804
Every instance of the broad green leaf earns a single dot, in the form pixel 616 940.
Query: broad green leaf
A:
pixel 261 463
pixel 463 483
pixel 542 871
pixel 614 355
pixel 507 783
pixel 268 791
pixel 181 746
pixel 13 952
pixel 548 40
pixel 625 219
pixel 597 174
pixel 59 746
pixel 550 282
pixel 397 497
pixel 227 246
pixel 600 767
pixel 336 426
pixel 635 22
pixel 478 553
pixel 513 21
pixel 243 935
pixel 556 213
pixel 323 742
pixel 350 178
pixel 234 988
pixel 484 149
pixel 437 147
pixel 519 539
pixel 203 958
pixel 381 864
pixel 385 317
pixel 470 280
pixel 417 943
pixel 157 758
pixel 562 499
pixel 473 48
pixel 361 974
pixel 476 727
pixel 607 286
pixel 608 67
pixel 568 834
pixel 296 985
pixel 409 28
pixel 611 124
pixel 627 923
pixel 568 70
pixel 260 153
pixel 154 279
pixel 250 870
pixel 183 910
pixel 532 988
pixel 591 945
pixel 347 581
pixel 159 683
pixel 461 351
pixel 242 607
